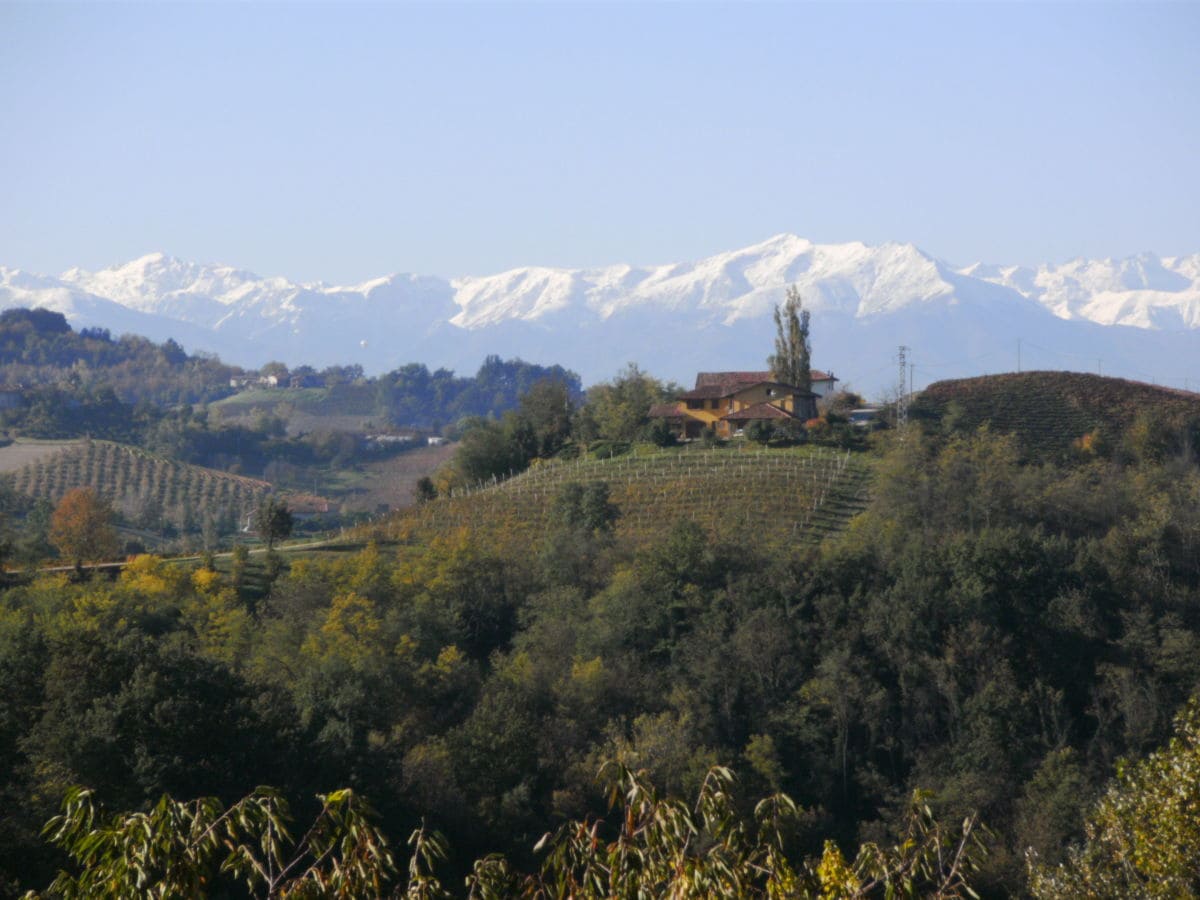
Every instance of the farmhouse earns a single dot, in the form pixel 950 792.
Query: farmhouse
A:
pixel 728 401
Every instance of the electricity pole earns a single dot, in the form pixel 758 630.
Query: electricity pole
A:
pixel 902 399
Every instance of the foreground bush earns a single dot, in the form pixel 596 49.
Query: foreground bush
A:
pixel 652 846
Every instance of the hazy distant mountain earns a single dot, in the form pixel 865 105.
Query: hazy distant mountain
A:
pixel 1138 317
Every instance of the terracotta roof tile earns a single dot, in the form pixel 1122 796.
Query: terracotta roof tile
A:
pixel 758 412
pixel 667 411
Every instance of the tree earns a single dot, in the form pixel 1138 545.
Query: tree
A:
pixel 183 849
pixel 545 414
pixel 619 410
pixel 791 361
pixel 425 490
pixel 1142 838
pixel 81 527
pixel 272 520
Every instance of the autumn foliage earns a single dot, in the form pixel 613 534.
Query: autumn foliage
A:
pixel 81 527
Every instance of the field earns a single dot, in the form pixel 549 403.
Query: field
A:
pixel 773 498
pixel 387 482
pixel 1050 411
pixel 135 481
pixel 22 453
pixel 345 407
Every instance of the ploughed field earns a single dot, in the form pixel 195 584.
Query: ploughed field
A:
pixel 774 497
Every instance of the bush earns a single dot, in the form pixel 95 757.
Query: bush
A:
pixel 660 434
pixel 608 449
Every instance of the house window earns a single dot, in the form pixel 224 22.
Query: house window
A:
pixel 695 404
pixel 716 404
pixel 770 392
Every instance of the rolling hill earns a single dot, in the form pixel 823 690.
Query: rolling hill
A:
pixel 774 498
pixel 145 488
pixel 1050 412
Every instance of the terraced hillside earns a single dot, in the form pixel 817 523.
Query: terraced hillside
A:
pixel 1050 412
pixel 774 498
pixel 139 483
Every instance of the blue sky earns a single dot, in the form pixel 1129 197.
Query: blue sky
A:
pixel 343 142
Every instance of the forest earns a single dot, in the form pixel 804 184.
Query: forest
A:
pixel 998 633
pixel 88 382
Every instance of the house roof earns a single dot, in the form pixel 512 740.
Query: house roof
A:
pixel 708 392
pixel 667 411
pixel 758 412
pixel 731 382
pixel 302 504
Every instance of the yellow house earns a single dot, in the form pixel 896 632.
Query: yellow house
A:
pixel 728 401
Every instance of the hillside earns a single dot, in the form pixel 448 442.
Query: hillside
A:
pixel 1050 412
pixel 774 498
pixel 147 490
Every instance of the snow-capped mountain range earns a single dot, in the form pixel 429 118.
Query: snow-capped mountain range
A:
pixel 1138 317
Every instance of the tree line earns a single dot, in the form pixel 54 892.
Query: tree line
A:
pixel 997 632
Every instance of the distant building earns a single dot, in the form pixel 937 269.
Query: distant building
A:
pixel 865 417
pixel 823 383
pixel 243 382
pixel 435 440
pixel 306 506
pixel 727 402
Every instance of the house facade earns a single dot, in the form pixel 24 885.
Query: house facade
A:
pixel 728 401
pixel 823 383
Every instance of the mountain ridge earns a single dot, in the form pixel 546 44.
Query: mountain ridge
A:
pixel 708 304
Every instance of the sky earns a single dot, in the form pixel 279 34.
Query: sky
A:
pixel 341 142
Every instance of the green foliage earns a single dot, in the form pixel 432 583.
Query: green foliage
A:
pixel 775 498
pixel 425 490
pixel 760 431
pixel 791 361
pixel 661 847
pixel 1067 416
pixel 412 395
pixel 272 520
pixel 994 630
pixel 618 410
pixel 38 348
pixel 1142 838
pixel 150 491
pixel 187 849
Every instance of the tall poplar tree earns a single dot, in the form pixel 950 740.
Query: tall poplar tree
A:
pixel 791 361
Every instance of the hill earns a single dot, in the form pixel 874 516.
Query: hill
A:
pixel 1054 414
pixel 774 498
pixel 148 490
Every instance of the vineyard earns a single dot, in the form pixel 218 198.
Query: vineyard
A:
pixel 142 486
pixel 774 498
pixel 1050 411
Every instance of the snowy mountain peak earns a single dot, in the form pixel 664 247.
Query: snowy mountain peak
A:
pixel 597 317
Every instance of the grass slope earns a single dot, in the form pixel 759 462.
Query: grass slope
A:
pixel 129 478
pixel 1050 411
pixel 24 451
pixel 773 498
